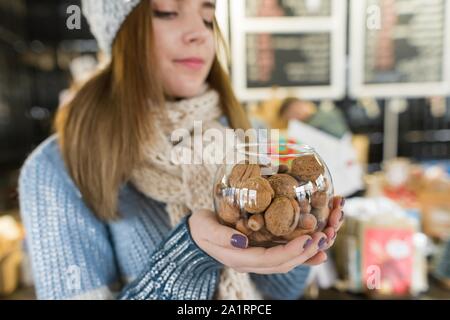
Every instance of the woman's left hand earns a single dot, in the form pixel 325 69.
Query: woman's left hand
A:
pixel 335 221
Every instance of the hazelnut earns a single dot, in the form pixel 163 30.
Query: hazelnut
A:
pixel 242 227
pixel 260 236
pixel 298 232
pixel 305 207
pixel 281 217
pixel 218 189
pixel 228 212
pixel 256 193
pixel 321 216
pixel 283 185
pixel 308 167
pixel 307 222
pixel 256 222
pixel 319 199
pixel 243 172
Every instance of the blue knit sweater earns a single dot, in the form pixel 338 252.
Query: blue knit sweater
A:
pixel 76 256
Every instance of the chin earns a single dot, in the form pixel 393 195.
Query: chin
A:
pixel 187 91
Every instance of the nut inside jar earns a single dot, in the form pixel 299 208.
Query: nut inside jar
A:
pixel 276 208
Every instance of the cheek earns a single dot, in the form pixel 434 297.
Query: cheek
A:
pixel 163 42
pixel 211 49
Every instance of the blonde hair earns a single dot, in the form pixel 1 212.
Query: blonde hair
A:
pixel 102 130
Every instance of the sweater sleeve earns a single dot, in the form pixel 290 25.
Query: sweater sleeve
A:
pixel 72 256
pixel 288 286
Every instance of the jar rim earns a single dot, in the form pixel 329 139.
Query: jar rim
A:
pixel 300 149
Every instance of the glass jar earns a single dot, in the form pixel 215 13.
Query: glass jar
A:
pixel 273 193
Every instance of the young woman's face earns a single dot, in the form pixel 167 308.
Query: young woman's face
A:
pixel 184 44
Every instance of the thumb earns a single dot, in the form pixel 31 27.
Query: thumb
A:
pixel 216 233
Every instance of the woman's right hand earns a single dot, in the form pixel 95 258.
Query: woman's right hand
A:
pixel 229 247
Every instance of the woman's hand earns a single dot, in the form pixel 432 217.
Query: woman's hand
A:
pixel 229 247
pixel 335 221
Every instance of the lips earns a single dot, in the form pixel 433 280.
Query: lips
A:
pixel 191 63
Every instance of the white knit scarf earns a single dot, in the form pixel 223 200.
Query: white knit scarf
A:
pixel 186 188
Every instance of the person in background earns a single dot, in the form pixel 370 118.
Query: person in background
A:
pixel 327 117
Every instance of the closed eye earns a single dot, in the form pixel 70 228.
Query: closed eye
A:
pixel 209 24
pixel 165 14
pixel 174 14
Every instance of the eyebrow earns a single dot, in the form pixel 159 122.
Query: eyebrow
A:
pixel 209 5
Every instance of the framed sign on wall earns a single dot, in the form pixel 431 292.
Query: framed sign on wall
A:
pixel 297 46
pixel 400 48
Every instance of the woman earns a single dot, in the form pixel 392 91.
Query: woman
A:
pixel 107 215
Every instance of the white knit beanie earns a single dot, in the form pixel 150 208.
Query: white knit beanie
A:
pixel 105 18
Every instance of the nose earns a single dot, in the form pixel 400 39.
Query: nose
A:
pixel 196 30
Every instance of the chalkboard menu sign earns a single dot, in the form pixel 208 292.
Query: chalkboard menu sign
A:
pixel 288 8
pixel 297 46
pixel 400 48
pixel 292 60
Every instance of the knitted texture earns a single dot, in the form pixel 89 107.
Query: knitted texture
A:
pixel 75 256
pixel 105 17
pixel 187 187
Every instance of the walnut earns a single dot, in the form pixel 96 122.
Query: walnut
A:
pixel 295 205
pixel 282 216
pixel 256 194
pixel 308 167
pixel 228 212
pixel 242 226
pixel 243 172
pixel 319 199
pixel 296 177
pixel 256 222
pixel 283 185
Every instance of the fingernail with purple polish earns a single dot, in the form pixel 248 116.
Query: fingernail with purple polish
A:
pixel 342 202
pixel 239 241
pixel 307 244
pixel 322 243
pixel 342 216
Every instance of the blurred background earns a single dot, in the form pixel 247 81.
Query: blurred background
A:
pixel 365 82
